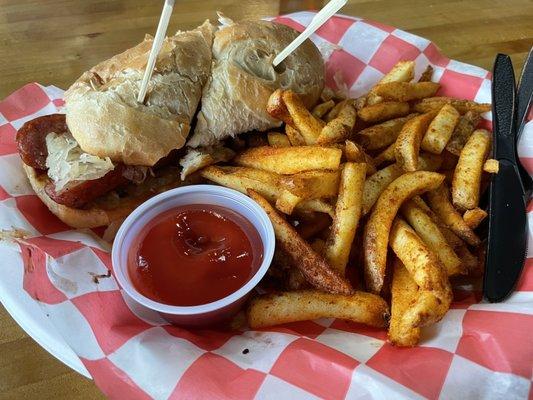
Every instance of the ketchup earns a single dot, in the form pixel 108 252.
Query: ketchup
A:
pixel 194 254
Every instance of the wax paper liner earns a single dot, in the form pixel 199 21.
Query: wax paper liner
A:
pixel 479 350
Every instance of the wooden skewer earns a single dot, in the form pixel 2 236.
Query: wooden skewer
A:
pixel 156 47
pixel 323 15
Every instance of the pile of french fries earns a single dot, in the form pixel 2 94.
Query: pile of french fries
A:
pixel 374 201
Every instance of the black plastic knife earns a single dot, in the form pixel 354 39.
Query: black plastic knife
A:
pixel 507 238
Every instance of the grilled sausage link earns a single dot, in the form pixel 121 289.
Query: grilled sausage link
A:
pixel 31 138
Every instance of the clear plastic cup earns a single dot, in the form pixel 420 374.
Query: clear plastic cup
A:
pixel 205 314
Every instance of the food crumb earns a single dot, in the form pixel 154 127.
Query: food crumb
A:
pixel 245 351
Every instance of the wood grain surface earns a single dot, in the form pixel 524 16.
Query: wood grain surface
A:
pixel 54 41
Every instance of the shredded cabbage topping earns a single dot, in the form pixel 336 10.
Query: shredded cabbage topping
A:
pixel 66 161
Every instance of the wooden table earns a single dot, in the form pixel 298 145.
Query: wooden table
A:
pixel 52 42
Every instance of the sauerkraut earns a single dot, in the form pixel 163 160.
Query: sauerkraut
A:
pixel 67 162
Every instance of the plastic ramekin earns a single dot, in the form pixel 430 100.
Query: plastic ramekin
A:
pixel 205 314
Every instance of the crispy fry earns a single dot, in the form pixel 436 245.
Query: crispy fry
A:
pixel 467 177
pixel 276 139
pixel 440 130
pixel 470 262
pixel 386 156
pixel 403 71
pixel 319 245
pixel 277 109
pixel 383 111
pixel 334 112
pixel 339 128
pixel 491 166
pixel 312 184
pixel 427 271
pixel 323 108
pixel 474 217
pixel 241 179
pixel 295 280
pixel 407 144
pixel 404 292
pixel 317 205
pixel 406 91
pixel 264 182
pixel 466 125
pixel 420 203
pixel 196 159
pixel 347 215
pixel 427 74
pixel 287 201
pixel 314 267
pixel 281 308
pixel 377 183
pixel 308 126
pixel 355 153
pixel 381 135
pixel 436 103
pixel 294 136
pixel 449 160
pixel 379 223
pixel 439 201
pixel 290 160
pixel 429 232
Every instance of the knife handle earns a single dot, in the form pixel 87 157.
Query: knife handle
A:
pixel 503 108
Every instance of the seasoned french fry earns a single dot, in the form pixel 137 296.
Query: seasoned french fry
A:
pixel 296 280
pixel 470 261
pixel 319 245
pixel 427 271
pixel 427 74
pixel 386 156
pixel 474 217
pixel 294 136
pixel 420 203
pixel 407 144
pixel 379 223
pixel 381 135
pixel 439 201
pixel 436 103
pixel 290 160
pixel 312 184
pixel 383 111
pixel 347 215
pixel 404 292
pixel 339 128
pixel 491 166
pixel 467 177
pixel 355 153
pixel 466 125
pixel 440 130
pixel 403 71
pixel 196 159
pixel 323 108
pixel 281 308
pixel 276 107
pixel 308 126
pixel 429 232
pixel 264 182
pixel 317 205
pixel 227 176
pixel 406 91
pixel 287 201
pixel 377 183
pixel 334 112
pixel 314 267
pixel 276 139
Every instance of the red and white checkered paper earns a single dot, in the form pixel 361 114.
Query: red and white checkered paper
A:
pixel 479 350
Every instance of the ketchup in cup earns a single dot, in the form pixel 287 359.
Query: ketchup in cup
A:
pixel 194 254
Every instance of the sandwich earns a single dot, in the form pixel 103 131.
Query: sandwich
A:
pixel 234 99
pixel 108 153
